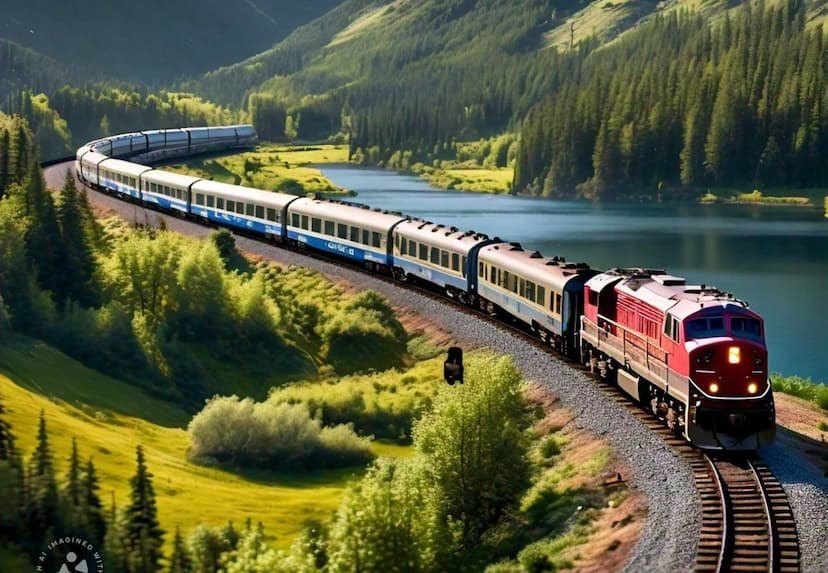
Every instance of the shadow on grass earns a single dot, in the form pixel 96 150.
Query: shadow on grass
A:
pixel 299 479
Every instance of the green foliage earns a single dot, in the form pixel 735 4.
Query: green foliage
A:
pixel 41 510
pixel 390 522
pixel 815 392
pixel 476 446
pixel 271 435
pixel 207 544
pixel 180 559
pixel 383 404
pixel 822 426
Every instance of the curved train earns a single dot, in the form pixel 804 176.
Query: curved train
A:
pixel 694 355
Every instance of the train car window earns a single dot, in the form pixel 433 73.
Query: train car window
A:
pixel 412 248
pixel 403 246
pixel 521 287
pixel 444 259
pixel 745 326
pixel 231 206
pixel 180 194
pixel 294 220
pixel 557 303
pixel 316 225
pixel 423 256
pixel 503 279
pixel 260 212
pixel 342 231
pixel 305 222
pixel 240 208
pixel 153 188
pixel 463 266
pixel 515 284
pixel 365 237
pixel 455 262
pixel 541 296
pixel 211 201
pixel 199 199
pixel 355 234
pixel 329 228
pixel 530 290
pixel 435 256
pixel 593 298
pixel 132 182
pixel 271 215
pixel 219 203
pixel 249 209
pixel 376 239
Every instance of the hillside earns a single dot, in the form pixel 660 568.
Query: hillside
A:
pixel 22 68
pixel 188 37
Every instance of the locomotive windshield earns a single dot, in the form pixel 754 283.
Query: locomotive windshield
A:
pixel 709 327
pixel 705 327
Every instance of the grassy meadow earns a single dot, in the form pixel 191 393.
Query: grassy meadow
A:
pixel 110 418
pixel 273 167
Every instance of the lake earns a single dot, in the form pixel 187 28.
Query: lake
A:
pixel 775 258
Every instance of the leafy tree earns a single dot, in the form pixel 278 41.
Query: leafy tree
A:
pixel 207 546
pixel 252 555
pixel 476 448
pixel 144 535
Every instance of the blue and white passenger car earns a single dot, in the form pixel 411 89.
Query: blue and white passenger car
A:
pixel 444 256
pixel 350 231
pixel 121 176
pixel 242 207
pixel 544 293
pixel 168 190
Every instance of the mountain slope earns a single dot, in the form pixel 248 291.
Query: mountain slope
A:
pixel 154 40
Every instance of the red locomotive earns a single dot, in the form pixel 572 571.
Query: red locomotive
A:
pixel 693 354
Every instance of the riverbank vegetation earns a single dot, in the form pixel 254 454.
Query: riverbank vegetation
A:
pixel 283 168
pixel 805 388
pixel 757 197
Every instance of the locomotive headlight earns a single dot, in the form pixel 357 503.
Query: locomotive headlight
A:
pixel 753 387
pixel 734 355
pixel 714 388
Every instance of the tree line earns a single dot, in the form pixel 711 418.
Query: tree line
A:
pixel 37 508
pixel 687 104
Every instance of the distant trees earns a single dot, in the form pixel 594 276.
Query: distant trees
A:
pixel 687 103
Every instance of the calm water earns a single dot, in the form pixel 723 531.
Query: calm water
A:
pixel 774 258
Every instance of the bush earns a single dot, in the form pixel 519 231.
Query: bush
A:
pixel 271 435
pixel 814 392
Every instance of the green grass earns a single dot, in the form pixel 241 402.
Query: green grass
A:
pixel 776 196
pixel 272 167
pixel 804 388
pixel 109 418
pixel 487 180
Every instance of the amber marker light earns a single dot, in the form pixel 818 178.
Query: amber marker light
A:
pixel 753 387
pixel 734 355
pixel 714 388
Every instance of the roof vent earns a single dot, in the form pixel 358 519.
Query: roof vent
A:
pixel 669 280
pixel 515 247
pixel 536 255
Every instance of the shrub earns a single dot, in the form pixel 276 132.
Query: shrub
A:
pixel 271 435
pixel 815 392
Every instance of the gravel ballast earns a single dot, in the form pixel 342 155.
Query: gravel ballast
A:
pixel 670 535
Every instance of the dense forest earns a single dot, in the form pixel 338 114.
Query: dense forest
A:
pixel 683 103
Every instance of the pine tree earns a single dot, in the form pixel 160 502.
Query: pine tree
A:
pixel 144 535
pixel 92 507
pixel 41 514
pixel 114 544
pixel 70 503
pixel 75 280
pixel 11 483
pixel 180 560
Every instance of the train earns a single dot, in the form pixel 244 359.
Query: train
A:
pixel 692 354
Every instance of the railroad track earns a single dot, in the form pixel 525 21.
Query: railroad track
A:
pixel 747 522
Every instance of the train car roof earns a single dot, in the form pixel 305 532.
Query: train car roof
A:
pixel 95 157
pixel 121 166
pixel 449 238
pixel 346 212
pixel 533 265
pixel 670 293
pixel 239 193
pixel 169 178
